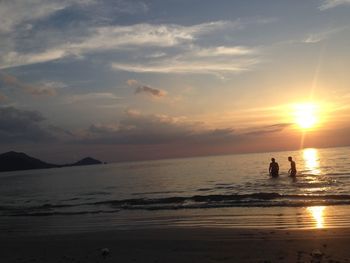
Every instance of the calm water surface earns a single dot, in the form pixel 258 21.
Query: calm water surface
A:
pixel 188 191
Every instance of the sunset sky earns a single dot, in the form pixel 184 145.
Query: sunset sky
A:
pixel 131 80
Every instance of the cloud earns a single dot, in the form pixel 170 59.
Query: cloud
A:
pixel 114 37
pixel 92 96
pixel 59 132
pixel 2 97
pixel 327 4
pixel 108 38
pixel 14 58
pixel 39 90
pixel 54 84
pixel 136 128
pixel 220 132
pixel 320 36
pixel 16 12
pixel 28 126
pixel 188 65
pixel 223 51
pixel 268 129
pixel 133 83
pixel 129 7
pixel 144 89
pixel 22 126
pixel 155 35
pixel 152 91
pixel 314 38
pixel 156 55
pixel 214 60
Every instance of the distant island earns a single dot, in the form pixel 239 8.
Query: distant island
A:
pixel 15 161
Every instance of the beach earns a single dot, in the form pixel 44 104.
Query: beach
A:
pixel 182 245
pixel 210 209
pixel 239 234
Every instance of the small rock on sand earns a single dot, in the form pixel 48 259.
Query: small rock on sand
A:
pixel 105 252
pixel 316 253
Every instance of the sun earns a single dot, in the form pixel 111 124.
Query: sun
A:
pixel 306 115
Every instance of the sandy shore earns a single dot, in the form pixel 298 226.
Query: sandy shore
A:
pixel 182 245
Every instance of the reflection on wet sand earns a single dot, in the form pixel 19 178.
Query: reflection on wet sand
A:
pixel 317 212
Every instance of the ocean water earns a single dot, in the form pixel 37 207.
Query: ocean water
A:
pixel 223 190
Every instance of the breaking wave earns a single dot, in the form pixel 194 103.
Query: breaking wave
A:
pixel 178 202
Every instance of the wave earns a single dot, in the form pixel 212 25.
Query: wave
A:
pixel 222 198
pixel 57 213
pixel 178 202
pixel 338 174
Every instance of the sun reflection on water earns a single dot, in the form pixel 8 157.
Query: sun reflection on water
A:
pixel 317 213
pixel 311 160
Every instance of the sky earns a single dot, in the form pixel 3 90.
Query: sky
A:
pixel 123 80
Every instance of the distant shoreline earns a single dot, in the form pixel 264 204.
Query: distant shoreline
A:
pixel 18 161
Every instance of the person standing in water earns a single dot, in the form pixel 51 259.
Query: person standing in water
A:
pixel 274 168
pixel 293 170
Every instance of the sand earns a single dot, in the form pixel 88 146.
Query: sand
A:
pixel 181 245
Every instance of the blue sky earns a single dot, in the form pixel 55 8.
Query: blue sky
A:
pixel 130 80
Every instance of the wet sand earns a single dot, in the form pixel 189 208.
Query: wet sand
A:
pixel 181 245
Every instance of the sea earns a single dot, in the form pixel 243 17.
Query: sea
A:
pixel 215 191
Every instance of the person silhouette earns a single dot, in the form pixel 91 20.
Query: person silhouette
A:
pixel 293 170
pixel 274 168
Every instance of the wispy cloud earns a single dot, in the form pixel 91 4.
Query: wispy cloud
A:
pixel 15 12
pixel 130 7
pixel 92 96
pixel 327 4
pixel 187 67
pixel 223 51
pixel 2 97
pixel 14 58
pixel 258 131
pixel 53 84
pixel 146 89
pixel 35 90
pixel 100 39
pixel 115 37
pixel 322 35
pixel 216 61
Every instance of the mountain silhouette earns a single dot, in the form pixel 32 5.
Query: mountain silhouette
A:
pixel 86 161
pixel 14 161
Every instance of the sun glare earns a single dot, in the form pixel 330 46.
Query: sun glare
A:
pixel 317 213
pixel 311 160
pixel 306 115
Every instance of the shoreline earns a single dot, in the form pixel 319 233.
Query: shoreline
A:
pixel 278 218
pixel 182 245
pixel 274 234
